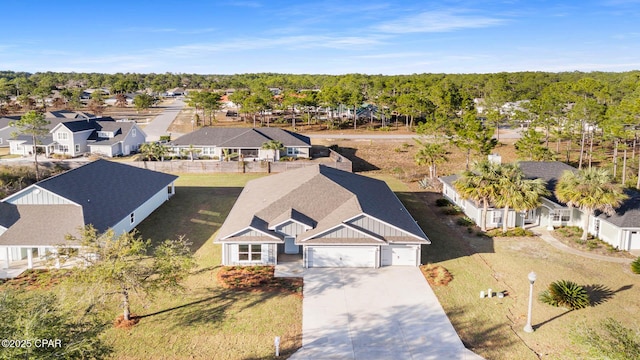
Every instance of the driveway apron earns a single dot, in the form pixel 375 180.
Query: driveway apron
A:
pixel 386 313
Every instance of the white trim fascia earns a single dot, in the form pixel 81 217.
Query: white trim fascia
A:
pixel 28 188
pixel 249 228
pixel 343 225
pixel 290 219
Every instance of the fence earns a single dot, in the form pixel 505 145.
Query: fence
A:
pixel 330 159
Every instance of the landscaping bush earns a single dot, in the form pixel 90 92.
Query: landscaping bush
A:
pixel 436 275
pixel 510 232
pixel 442 202
pixel 465 221
pixel 452 211
pixel 635 266
pixel 566 294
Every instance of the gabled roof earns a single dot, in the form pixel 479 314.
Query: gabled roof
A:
pixel 120 130
pixel 326 196
pixel 107 191
pixel 549 171
pixel 241 137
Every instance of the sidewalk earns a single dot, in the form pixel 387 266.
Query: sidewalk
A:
pixel 545 235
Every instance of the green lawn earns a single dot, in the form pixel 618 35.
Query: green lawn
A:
pixel 206 321
pixel 493 327
pixel 210 322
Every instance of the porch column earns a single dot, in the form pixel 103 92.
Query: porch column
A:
pixel 6 258
pixel 29 258
pixel 55 253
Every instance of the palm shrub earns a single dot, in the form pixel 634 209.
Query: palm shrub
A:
pixel 565 294
pixel 635 266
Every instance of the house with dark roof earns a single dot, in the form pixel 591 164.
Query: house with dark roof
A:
pixel 102 136
pixel 105 194
pixel 220 143
pixel 621 230
pixel 551 213
pixel 330 217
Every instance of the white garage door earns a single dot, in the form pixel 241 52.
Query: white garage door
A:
pixel 399 255
pixel 634 242
pixel 341 256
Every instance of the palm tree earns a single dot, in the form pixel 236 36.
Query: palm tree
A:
pixel 191 150
pixel 590 190
pixel 432 155
pixel 516 192
pixel 480 185
pixel 275 146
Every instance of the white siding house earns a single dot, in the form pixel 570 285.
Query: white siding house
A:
pixel 104 194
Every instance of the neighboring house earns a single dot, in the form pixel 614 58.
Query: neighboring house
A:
pixel 105 194
pixel 176 92
pixel 242 143
pixel 334 218
pixel 102 136
pixel 6 131
pixel 551 213
pixel 68 115
pixel 112 100
pixel 621 230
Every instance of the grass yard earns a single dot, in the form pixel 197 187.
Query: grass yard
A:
pixel 493 327
pixel 207 321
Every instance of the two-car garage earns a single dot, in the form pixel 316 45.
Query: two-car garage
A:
pixel 362 256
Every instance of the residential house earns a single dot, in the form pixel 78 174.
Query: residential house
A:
pixel 242 143
pixel 332 217
pixel 105 194
pixel 6 131
pixel 102 136
pixel 621 230
pixel 551 213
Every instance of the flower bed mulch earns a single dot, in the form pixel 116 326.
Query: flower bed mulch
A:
pixel 121 323
pixel 436 275
pixel 35 279
pixel 257 278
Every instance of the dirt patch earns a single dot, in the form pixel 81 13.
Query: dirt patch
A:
pixel 436 275
pixel 35 279
pixel 121 323
pixel 257 278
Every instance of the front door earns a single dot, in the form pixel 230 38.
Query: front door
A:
pixel 290 246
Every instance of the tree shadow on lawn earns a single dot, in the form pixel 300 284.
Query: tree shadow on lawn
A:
pixel 212 309
pixel 193 212
pixel 448 240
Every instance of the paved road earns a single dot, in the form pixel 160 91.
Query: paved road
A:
pixel 159 125
pixel 386 313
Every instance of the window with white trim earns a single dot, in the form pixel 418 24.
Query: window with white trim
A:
pixel 596 226
pixel 63 136
pixel 292 151
pixel 250 252
pixel 563 215
pixel 132 217
pixel 77 147
pixel 133 132
pixel 497 217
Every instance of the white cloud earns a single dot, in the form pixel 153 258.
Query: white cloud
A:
pixel 438 21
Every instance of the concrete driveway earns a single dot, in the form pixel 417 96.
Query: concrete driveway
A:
pixel 386 313
pixel 159 125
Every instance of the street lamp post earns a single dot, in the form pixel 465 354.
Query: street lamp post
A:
pixel 532 278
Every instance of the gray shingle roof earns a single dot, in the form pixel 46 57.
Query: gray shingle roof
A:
pixel 324 195
pixel 549 171
pixel 107 191
pixel 43 225
pixel 628 214
pixel 241 137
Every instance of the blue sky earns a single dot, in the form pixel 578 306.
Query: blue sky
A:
pixel 319 37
